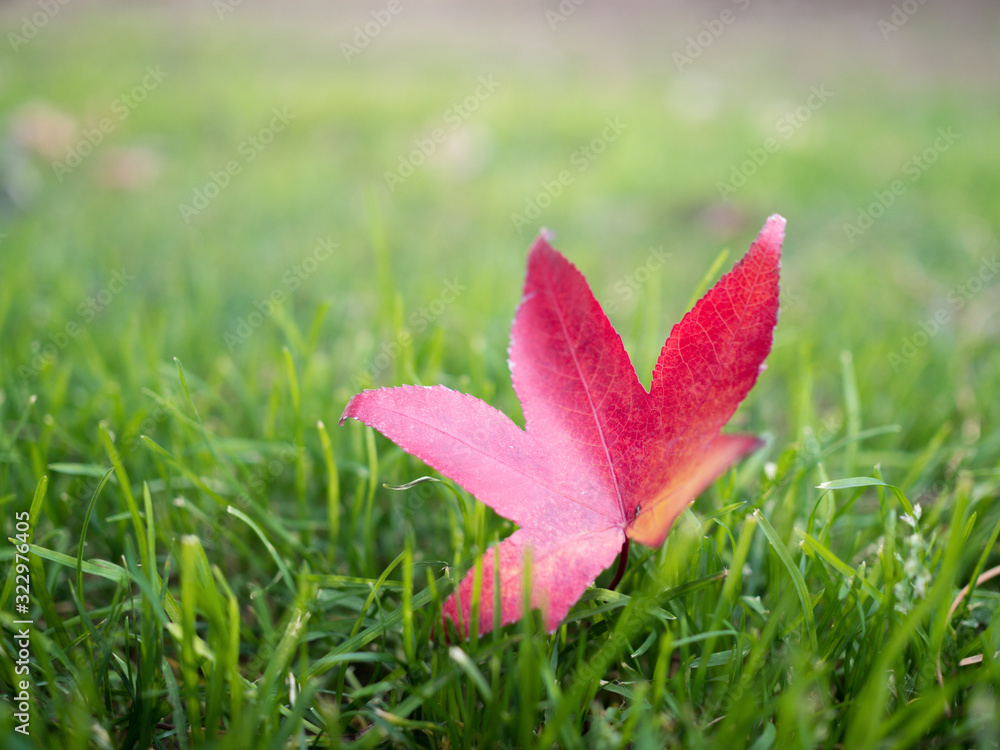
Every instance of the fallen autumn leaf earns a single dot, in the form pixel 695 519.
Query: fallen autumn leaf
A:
pixel 601 461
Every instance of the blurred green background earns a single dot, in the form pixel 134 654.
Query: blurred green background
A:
pixel 299 200
pixel 700 93
pixel 184 88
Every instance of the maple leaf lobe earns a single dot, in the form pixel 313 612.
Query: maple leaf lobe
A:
pixel 707 366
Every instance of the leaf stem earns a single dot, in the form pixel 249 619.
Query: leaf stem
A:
pixel 622 562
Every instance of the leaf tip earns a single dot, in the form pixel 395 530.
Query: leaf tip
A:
pixel 772 234
pixel 350 411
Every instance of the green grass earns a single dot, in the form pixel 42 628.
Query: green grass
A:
pixel 215 563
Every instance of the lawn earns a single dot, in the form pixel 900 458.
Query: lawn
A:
pixel 218 223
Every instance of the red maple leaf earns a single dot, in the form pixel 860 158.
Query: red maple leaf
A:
pixel 601 461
